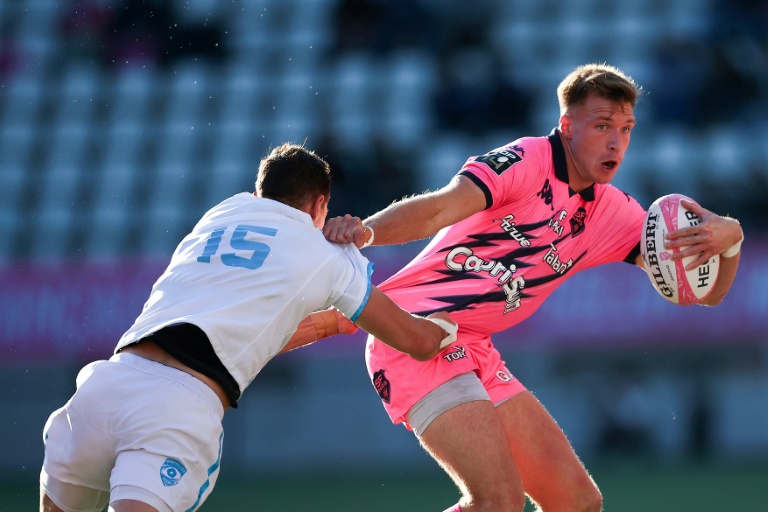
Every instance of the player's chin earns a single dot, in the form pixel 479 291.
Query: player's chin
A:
pixel 606 171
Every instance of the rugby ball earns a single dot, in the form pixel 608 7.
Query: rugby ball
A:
pixel 669 277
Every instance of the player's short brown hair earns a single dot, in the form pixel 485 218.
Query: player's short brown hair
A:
pixel 606 81
pixel 293 175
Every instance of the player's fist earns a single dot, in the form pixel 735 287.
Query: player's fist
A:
pixel 712 236
pixel 346 229
pixel 447 324
pixel 345 324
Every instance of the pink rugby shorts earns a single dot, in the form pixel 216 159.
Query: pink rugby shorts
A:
pixel 401 381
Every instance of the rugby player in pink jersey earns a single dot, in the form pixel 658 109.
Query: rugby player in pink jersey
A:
pixel 508 229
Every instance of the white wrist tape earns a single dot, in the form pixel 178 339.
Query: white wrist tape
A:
pixel 370 240
pixel 731 251
pixel 451 329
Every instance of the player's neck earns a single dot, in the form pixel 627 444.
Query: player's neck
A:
pixel 576 183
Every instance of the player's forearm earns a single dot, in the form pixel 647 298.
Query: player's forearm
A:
pixel 405 221
pixel 725 278
pixel 424 215
pixel 729 264
pixel 401 330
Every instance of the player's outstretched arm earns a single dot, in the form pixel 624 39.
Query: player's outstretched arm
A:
pixel 319 325
pixel 410 219
pixel 419 337
pixel 714 235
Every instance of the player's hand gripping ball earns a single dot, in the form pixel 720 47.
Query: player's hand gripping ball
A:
pixel 668 276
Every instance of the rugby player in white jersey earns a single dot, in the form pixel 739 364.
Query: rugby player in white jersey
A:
pixel 254 278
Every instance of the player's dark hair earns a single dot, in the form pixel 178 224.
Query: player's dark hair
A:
pixel 606 81
pixel 293 175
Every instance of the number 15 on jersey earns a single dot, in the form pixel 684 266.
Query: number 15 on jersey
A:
pixel 260 250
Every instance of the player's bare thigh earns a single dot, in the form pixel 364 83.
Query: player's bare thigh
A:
pixel 468 441
pixel 46 505
pixel 69 496
pixel 131 506
pixel 550 471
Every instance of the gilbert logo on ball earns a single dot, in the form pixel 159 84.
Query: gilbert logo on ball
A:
pixel 669 277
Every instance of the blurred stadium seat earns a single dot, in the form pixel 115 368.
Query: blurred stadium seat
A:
pixel 282 79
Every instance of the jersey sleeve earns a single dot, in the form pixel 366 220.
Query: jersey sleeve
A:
pixel 620 228
pixel 509 172
pixel 352 281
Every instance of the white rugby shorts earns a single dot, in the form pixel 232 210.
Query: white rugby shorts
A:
pixel 134 429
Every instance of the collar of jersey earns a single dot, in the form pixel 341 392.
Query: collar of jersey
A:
pixel 284 209
pixel 561 166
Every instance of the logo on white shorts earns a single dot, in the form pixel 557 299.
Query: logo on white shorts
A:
pixel 171 472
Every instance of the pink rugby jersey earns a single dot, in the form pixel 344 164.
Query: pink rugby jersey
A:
pixel 495 268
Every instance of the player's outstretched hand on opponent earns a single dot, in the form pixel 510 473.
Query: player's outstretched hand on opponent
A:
pixel 447 324
pixel 345 324
pixel 346 229
pixel 714 235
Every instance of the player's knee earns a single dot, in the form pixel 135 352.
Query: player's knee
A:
pixel 595 501
pixel 583 498
pixel 588 499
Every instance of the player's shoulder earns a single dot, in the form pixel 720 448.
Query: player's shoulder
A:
pixel 613 203
pixel 611 193
pixel 241 198
pixel 516 150
pixel 230 204
pixel 331 252
pixel 347 251
pixel 519 152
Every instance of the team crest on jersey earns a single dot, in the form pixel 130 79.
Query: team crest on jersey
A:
pixel 381 383
pixel 577 222
pixel 500 160
pixel 171 472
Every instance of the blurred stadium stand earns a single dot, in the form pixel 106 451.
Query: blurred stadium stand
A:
pixel 90 93
pixel 121 122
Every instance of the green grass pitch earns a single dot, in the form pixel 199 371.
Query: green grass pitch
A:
pixel 707 488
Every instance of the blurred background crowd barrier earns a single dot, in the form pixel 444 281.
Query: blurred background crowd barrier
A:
pixel 121 122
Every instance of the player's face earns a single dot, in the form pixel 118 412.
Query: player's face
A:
pixel 596 137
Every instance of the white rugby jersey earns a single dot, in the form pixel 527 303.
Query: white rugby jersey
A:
pixel 248 273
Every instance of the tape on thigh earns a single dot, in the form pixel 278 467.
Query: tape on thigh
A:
pixel 458 390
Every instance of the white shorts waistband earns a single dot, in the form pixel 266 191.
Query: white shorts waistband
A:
pixel 153 367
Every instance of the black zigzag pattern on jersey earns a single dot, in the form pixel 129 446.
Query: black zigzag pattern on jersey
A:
pixel 460 302
pixel 491 240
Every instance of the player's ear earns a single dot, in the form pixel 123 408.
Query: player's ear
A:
pixel 317 208
pixel 566 125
